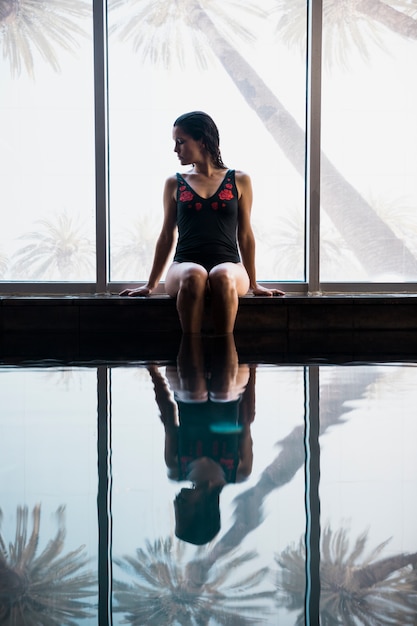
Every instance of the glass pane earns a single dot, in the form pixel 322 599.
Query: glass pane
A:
pixel 369 142
pixel 367 493
pixel 48 509
pixel 183 551
pixel 239 63
pixel 47 141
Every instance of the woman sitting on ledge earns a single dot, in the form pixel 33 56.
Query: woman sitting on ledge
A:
pixel 210 205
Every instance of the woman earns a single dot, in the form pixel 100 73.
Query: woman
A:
pixel 210 205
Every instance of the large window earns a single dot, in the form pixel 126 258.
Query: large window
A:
pixel 369 141
pixel 47 141
pixel 315 100
pixel 227 59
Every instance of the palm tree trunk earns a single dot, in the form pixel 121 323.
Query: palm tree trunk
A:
pixel 395 20
pixel 380 570
pixel 348 210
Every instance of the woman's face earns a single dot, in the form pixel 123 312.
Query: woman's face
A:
pixel 189 150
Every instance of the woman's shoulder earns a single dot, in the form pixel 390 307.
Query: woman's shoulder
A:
pixel 170 189
pixel 178 178
pixel 171 181
pixel 243 180
pixel 240 175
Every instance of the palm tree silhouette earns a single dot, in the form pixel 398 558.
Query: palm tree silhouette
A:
pixel 26 26
pixel 59 248
pixel 44 588
pixel 397 16
pixel 285 237
pixel 373 591
pixel 144 22
pixel 164 32
pixel 401 216
pixel 134 254
pixel 167 589
pixel 347 25
pixel 4 262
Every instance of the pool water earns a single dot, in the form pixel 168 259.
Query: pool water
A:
pixel 208 491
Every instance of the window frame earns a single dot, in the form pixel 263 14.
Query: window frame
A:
pixel 311 285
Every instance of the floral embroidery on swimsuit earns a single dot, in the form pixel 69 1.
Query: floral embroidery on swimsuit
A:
pixel 224 194
pixel 186 196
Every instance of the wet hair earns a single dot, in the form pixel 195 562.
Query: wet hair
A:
pixel 197 515
pixel 199 125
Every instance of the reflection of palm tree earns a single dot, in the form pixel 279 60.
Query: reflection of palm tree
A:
pixel 26 25
pixel 382 591
pixel 133 255
pixel 58 248
pixel 169 591
pixel 69 379
pixel 249 504
pixel 46 588
pixel 337 193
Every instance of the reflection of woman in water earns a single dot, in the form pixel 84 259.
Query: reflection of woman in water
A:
pixel 207 430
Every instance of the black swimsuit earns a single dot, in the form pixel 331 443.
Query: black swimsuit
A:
pixel 207 227
pixel 209 429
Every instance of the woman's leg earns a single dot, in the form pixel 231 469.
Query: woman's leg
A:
pixel 187 379
pixel 227 282
pixel 228 378
pixel 188 282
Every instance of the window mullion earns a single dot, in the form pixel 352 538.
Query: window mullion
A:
pixel 104 495
pixel 312 497
pixel 101 141
pixel 313 144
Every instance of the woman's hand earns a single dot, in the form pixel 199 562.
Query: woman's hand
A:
pixel 263 291
pixel 138 292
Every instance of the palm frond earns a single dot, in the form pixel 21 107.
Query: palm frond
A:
pixel 348 28
pixel 133 248
pixel 27 26
pixel 171 590
pixel 372 591
pixel 48 588
pixel 163 32
pixel 59 248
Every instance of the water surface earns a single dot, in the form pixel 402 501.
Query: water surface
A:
pixel 208 491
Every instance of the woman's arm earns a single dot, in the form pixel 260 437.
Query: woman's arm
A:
pixel 246 237
pixel 246 417
pixel 169 417
pixel 164 242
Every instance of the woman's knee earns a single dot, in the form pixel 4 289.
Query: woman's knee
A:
pixel 184 276
pixel 193 281
pixel 222 279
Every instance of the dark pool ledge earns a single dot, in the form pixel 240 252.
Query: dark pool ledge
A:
pixel 292 328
